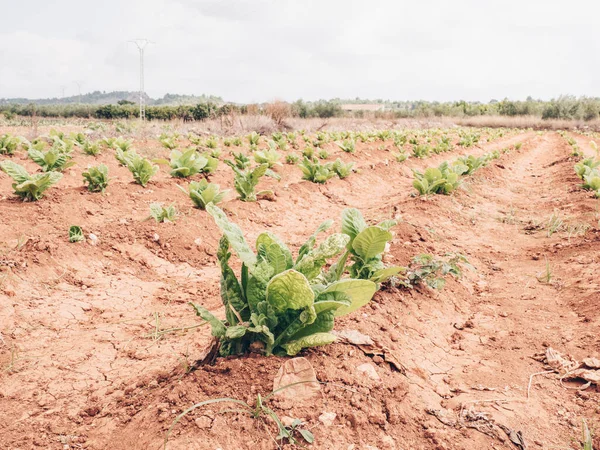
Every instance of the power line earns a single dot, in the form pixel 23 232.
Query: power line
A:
pixel 141 45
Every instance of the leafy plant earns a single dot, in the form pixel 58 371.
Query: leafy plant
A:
pixel 124 156
pixel 586 166
pixel 441 180
pixel 121 144
pixel 168 141
pixel 245 182
pixel 292 158
pixel 428 269
pixel 401 156
pixel 241 161
pixel 162 213
pixel 141 168
pixel 308 152
pixel 254 139
pixel 365 249
pixel 342 169
pixel 91 148
pixel 29 187
pixel 323 154
pixel 313 170
pixel 270 157
pixel 278 306
pixel 8 144
pixel 76 234
pixel 184 164
pixel 51 160
pixel 211 143
pixel 591 182
pixel 349 145
pixel 472 163
pixel 202 193
pixel 96 178
pixel 421 150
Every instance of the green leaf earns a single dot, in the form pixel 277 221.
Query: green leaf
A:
pixel 310 243
pixel 360 293
pixel 15 171
pixel 234 235
pixel 217 326
pixel 352 222
pixel 314 340
pixel 76 234
pixel 289 290
pixel 277 253
pixel 231 291
pixel 331 301
pixel 371 242
pixel 310 265
pixel 322 324
pixel 235 332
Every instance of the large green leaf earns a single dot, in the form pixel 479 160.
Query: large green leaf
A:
pixel 217 326
pixel 371 242
pixel 352 222
pixel 277 253
pixel 314 340
pixel 322 324
pixel 15 171
pixel 234 235
pixel 231 291
pixel 289 290
pixel 360 293
pixel 384 274
pixel 310 242
pixel 310 265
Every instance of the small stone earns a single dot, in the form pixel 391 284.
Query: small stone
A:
pixel 327 418
pixel 503 314
pixel 198 241
pixel 93 239
pixel 203 422
pixel 156 237
pixel 368 370
pixel 108 254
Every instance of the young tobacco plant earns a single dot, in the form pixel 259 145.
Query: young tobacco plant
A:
pixel 241 161
pixel 96 178
pixel 270 157
pixel 8 144
pixel 279 305
pixel 141 168
pixel 349 145
pixel 313 170
pixel 365 249
pixel 342 169
pixel 51 160
pixel 29 187
pixel 202 193
pixel 428 269
pixel 184 164
pixel 441 180
pixel 245 182
pixel 76 234
pixel 162 213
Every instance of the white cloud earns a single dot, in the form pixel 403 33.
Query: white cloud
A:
pixel 256 50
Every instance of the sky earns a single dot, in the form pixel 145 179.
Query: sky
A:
pixel 262 50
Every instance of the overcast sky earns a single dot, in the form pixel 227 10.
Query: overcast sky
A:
pixel 259 50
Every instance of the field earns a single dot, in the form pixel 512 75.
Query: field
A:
pixel 100 349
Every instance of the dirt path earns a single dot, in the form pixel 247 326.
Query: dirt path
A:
pixel 85 370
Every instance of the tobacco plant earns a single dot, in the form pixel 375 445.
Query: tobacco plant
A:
pixel 313 170
pixel 141 168
pixel 245 182
pixel 76 234
pixel 162 213
pixel 342 169
pixel 96 178
pixel 29 187
pixel 202 193
pixel 51 160
pixel 8 144
pixel 278 305
pixel 184 164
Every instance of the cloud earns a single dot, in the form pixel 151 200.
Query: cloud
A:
pixel 256 50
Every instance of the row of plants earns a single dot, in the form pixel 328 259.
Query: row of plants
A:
pixel 447 177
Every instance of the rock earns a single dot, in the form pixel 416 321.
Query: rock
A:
pixel 387 442
pixel 327 418
pixel 198 241
pixel 368 370
pixel 297 370
pixel 203 422
pixel 93 239
pixel 156 237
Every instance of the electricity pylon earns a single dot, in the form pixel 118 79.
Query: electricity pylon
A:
pixel 141 45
